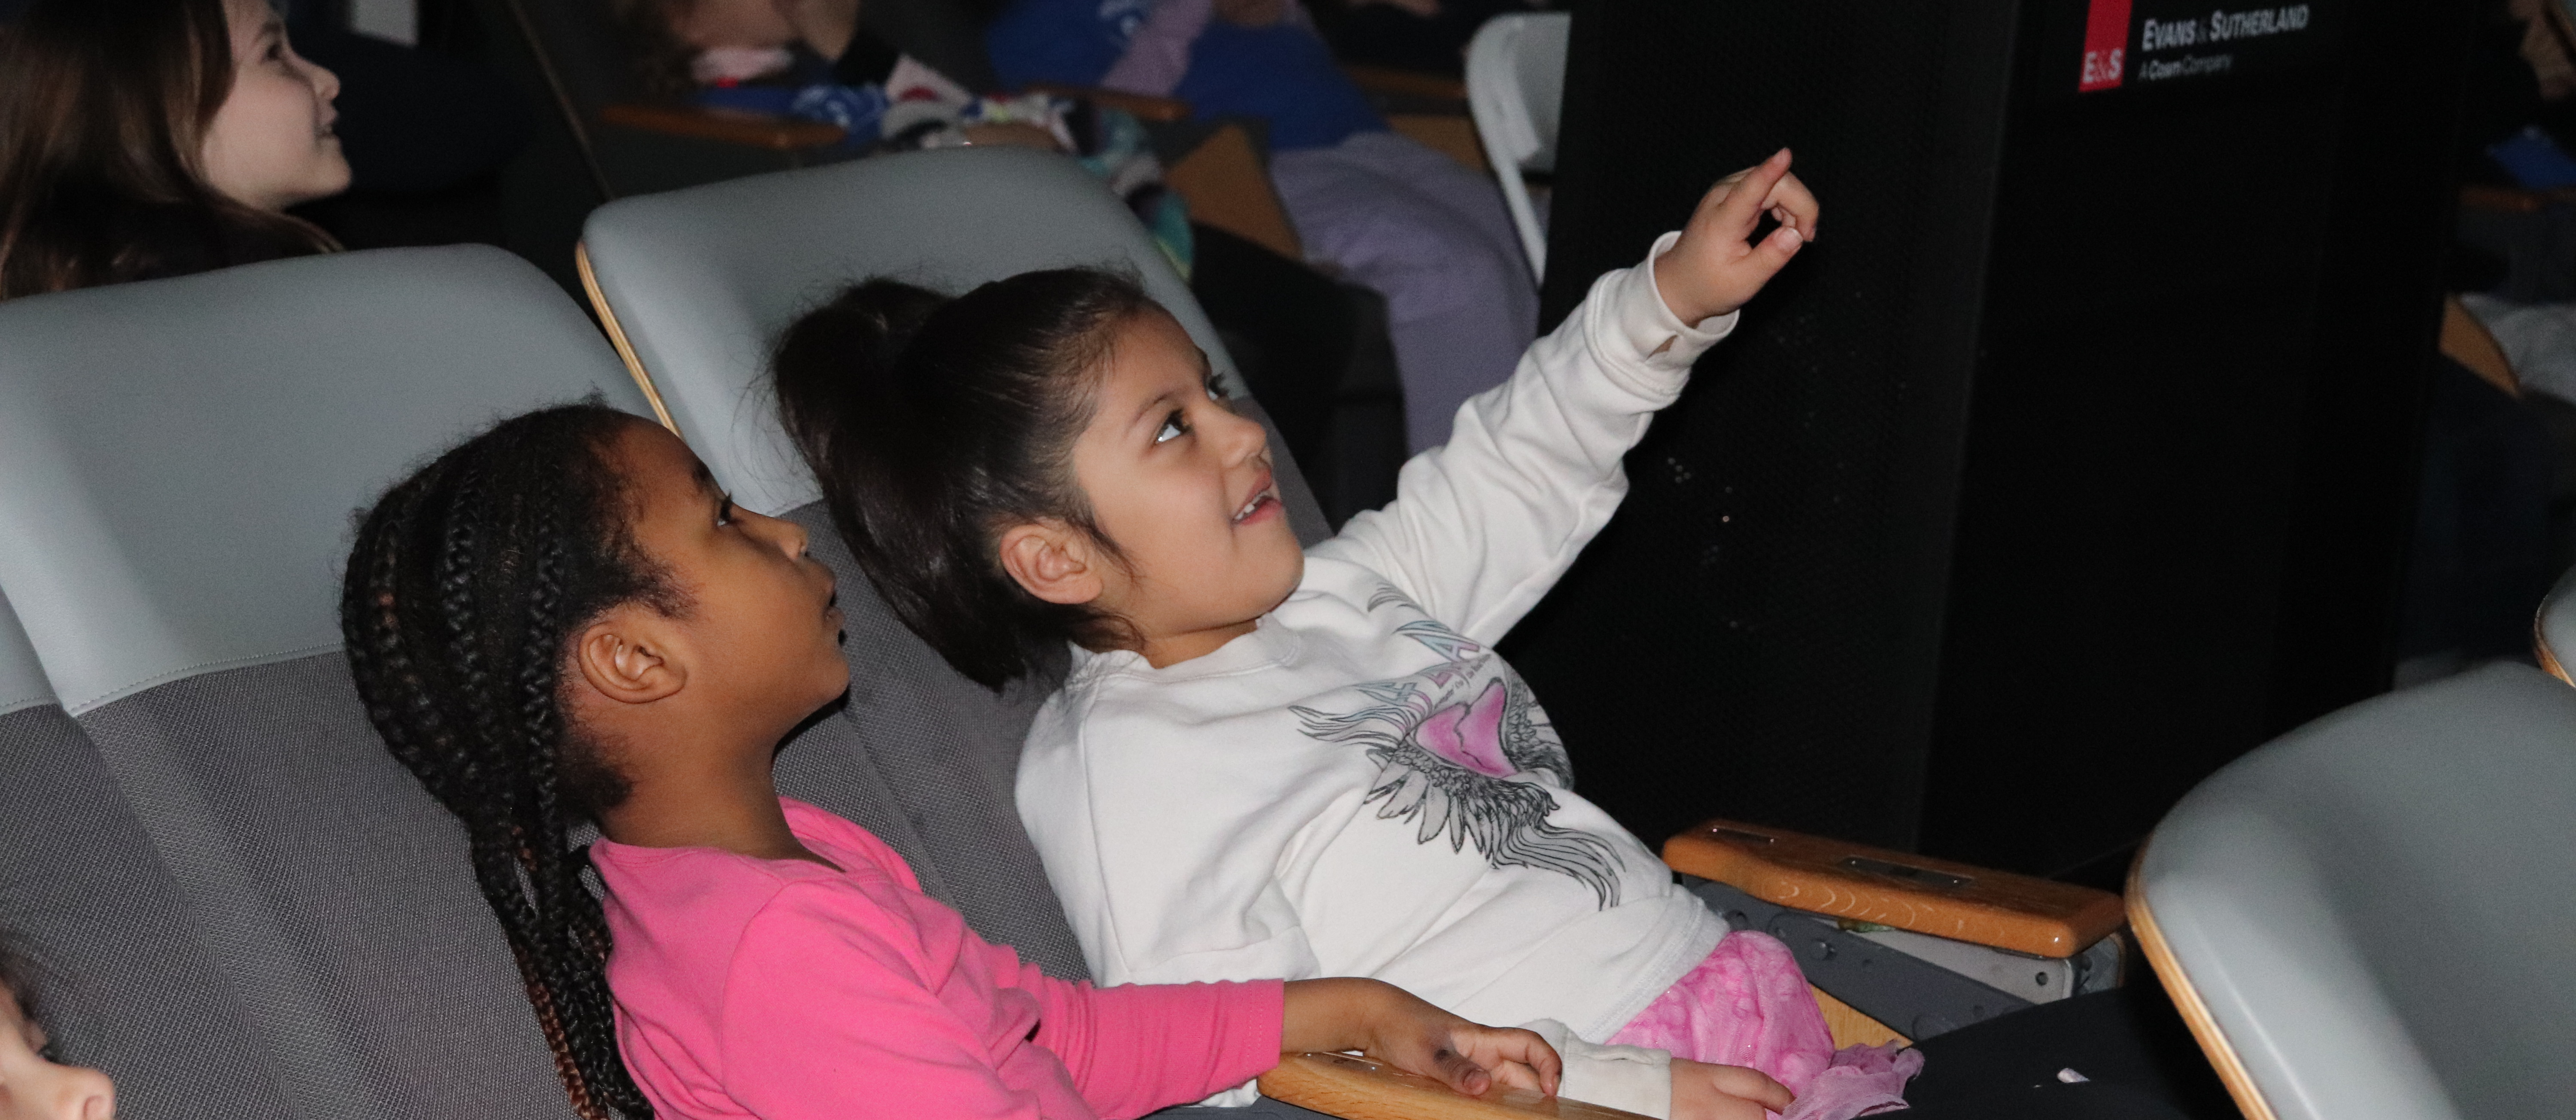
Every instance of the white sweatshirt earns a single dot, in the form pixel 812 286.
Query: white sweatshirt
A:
pixel 1360 786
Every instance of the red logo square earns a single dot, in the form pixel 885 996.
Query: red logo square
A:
pixel 2106 46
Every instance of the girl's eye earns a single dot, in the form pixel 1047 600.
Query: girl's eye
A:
pixel 724 513
pixel 1174 427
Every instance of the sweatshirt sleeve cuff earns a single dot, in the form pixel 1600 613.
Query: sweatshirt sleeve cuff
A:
pixel 1258 1009
pixel 1630 1078
pixel 1646 328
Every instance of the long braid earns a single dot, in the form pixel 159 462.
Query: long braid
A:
pixel 463 590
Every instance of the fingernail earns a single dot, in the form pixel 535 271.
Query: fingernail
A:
pixel 1794 239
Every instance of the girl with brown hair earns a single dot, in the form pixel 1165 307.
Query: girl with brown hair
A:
pixel 148 138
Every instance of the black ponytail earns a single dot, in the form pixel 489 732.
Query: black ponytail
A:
pixel 464 587
pixel 934 424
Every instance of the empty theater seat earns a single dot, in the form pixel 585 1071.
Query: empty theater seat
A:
pixel 2370 917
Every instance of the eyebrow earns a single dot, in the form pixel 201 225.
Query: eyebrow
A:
pixel 1152 408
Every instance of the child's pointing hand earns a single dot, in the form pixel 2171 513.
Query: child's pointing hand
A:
pixel 1712 270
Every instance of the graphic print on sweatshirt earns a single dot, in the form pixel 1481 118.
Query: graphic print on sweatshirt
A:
pixel 1464 748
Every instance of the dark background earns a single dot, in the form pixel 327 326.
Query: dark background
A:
pixel 2072 460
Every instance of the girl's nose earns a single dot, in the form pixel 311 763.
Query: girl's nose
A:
pixel 1244 436
pixel 325 83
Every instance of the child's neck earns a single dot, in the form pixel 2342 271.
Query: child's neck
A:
pixel 1166 650
pixel 737 812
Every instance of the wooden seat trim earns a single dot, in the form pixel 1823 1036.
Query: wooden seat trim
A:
pixel 2186 999
pixel 1899 889
pixel 617 337
pixel 750 130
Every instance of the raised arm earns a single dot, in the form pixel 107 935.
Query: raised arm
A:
pixel 1481 528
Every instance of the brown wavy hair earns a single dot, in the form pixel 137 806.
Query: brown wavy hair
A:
pixel 104 106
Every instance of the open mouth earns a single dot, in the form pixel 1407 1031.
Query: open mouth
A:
pixel 1264 498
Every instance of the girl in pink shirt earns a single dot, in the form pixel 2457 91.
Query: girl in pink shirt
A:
pixel 563 620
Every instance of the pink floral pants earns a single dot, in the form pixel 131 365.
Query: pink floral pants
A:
pixel 1748 1005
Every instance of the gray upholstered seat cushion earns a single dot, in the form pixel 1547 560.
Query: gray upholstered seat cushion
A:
pixel 334 892
pixel 2377 908
pixel 121 980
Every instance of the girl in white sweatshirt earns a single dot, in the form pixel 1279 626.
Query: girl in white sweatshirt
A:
pixel 1267 763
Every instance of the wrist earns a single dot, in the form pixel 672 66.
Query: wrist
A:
pixel 1680 296
pixel 1341 1013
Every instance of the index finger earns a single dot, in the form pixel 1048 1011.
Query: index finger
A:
pixel 1751 195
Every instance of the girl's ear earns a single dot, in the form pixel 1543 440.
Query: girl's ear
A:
pixel 627 658
pixel 1053 561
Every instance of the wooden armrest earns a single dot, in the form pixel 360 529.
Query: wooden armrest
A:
pixel 1899 889
pixel 1160 110
pixel 723 126
pixel 2466 340
pixel 1363 1089
pixel 1391 82
pixel 2514 200
pixel 1224 185
pixel 2503 200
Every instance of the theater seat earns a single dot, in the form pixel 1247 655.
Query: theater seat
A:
pixel 697 284
pixel 2370 916
pixel 119 977
pixel 179 461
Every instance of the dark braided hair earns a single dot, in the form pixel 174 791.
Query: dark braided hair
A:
pixel 467 583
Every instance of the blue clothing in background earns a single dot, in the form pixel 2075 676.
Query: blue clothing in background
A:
pixel 1282 74
pixel 1069 41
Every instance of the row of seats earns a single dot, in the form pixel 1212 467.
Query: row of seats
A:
pixel 246 908
pixel 243 906
pixel 247 903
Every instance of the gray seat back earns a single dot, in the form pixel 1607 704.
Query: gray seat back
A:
pixel 701 281
pixel 2369 917
pixel 118 976
pixel 179 461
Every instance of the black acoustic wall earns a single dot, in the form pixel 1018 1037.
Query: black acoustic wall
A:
pixel 2072 460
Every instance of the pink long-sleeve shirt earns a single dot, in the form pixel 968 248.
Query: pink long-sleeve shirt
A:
pixel 784 990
